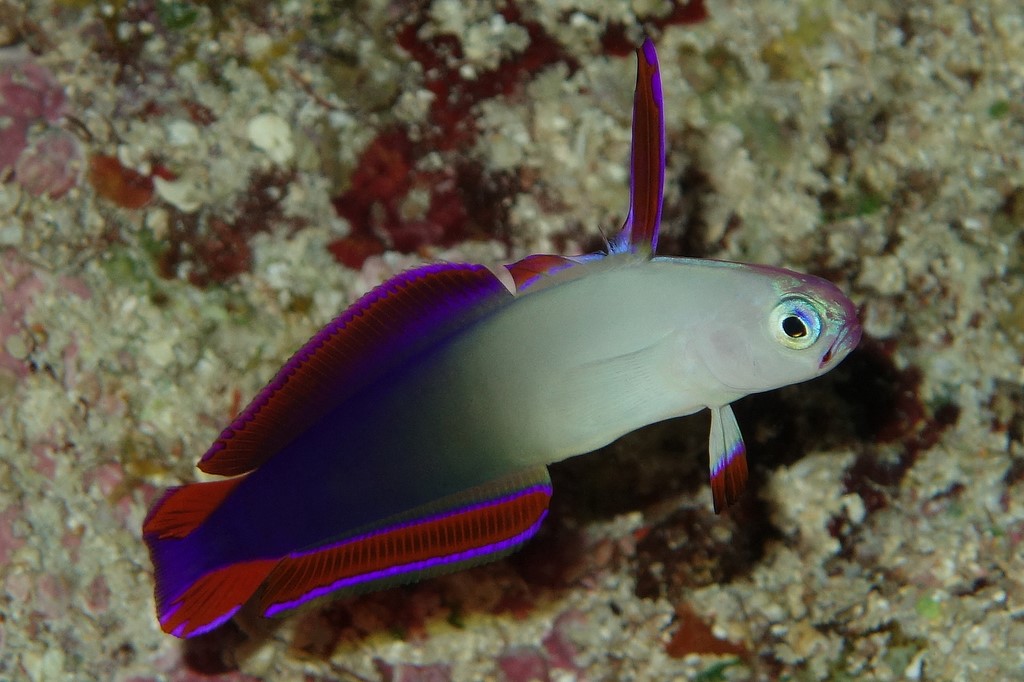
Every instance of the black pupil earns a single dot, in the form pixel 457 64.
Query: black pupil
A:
pixel 794 327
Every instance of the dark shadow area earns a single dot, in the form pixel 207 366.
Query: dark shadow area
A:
pixel 864 402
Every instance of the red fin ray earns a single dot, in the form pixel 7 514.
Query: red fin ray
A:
pixel 212 599
pixel 728 457
pixel 181 510
pixel 639 233
pixel 728 484
pixel 525 271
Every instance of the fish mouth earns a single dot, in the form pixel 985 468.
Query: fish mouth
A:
pixel 841 347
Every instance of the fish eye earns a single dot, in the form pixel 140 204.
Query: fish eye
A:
pixel 796 323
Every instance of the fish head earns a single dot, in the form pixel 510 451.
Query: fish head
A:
pixel 780 328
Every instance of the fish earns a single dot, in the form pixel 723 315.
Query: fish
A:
pixel 411 435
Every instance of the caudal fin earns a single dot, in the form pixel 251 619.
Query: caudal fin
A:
pixel 212 599
pixel 190 597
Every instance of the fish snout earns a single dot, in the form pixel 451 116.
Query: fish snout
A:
pixel 844 343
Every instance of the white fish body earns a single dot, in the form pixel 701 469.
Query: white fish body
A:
pixel 606 347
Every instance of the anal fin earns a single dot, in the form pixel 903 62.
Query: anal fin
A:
pixel 470 528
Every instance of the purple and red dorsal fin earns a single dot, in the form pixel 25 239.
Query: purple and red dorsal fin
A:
pixel 391 323
pixel 639 232
pixel 470 528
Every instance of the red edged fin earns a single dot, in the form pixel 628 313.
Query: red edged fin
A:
pixel 648 162
pixel 525 271
pixel 181 510
pixel 399 318
pixel 639 233
pixel 212 599
pixel 728 457
pixel 411 549
pixel 728 483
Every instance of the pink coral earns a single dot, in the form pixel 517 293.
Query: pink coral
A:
pixel 10 539
pixel 30 97
pixel 51 165
pixel 523 664
pixel 29 91
pixel 19 286
pixel 13 140
pixel 557 651
pixel 404 672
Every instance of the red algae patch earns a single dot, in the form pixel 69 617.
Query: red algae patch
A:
pixel 41 157
pixel 125 187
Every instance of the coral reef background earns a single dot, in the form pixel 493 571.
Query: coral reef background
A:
pixel 189 189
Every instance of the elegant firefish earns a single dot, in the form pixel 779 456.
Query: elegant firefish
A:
pixel 410 436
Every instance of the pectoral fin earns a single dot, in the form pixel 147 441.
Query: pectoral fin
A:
pixel 728 458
